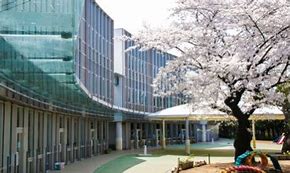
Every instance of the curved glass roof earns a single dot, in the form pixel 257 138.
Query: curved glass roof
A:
pixel 37 53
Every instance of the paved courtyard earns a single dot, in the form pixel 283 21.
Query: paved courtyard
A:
pixel 162 164
pixel 91 164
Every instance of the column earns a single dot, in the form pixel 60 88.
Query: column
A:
pixel 35 141
pixel 13 138
pixel 254 133
pixel 119 136
pixel 187 140
pixel 163 134
pixel 53 140
pixel 203 132
pixel 72 136
pixel 79 139
pixel 45 133
pixel 25 139
pixel 65 134
pixel 57 139
pixel 6 147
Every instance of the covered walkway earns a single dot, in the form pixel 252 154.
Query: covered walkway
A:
pixel 205 114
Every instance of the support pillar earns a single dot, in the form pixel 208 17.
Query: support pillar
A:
pixel 65 134
pixel 78 142
pixel 14 158
pixel 119 136
pixel 187 140
pixel 254 134
pixel 203 131
pixel 163 134
pixel 25 139
pixel 53 140
pixel 35 141
pixel 45 133
pixel 58 144
pixel 6 147
pixel 72 141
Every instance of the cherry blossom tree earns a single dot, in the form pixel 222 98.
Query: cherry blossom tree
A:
pixel 232 55
pixel 285 88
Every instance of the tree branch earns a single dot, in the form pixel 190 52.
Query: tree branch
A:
pixel 251 111
pixel 270 38
pixel 178 48
pixel 227 111
pixel 256 25
pixel 279 82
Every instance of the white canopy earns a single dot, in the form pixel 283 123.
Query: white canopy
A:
pixel 268 113
pixel 186 111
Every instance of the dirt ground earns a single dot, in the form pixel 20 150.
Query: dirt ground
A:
pixel 217 167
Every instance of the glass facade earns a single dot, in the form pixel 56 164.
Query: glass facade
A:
pixel 53 51
pixel 136 85
pixel 159 59
pixel 56 84
pixel 141 67
pixel 94 56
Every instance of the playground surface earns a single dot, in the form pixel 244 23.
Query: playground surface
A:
pixel 164 163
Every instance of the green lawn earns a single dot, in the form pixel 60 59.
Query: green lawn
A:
pixel 119 165
pixel 195 152
pixel 199 152
pixel 124 162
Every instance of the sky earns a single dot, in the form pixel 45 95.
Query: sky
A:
pixel 132 14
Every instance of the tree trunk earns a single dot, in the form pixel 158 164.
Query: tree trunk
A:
pixel 243 137
pixel 286 144
pixel 286 129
